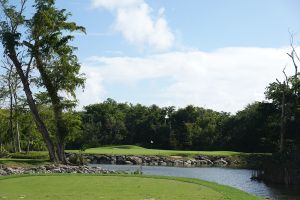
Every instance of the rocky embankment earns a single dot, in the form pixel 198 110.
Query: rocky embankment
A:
pixel 51 169
pixel 197 161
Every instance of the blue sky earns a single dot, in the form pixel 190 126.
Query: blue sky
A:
pixel 205 25
pixel 212 53
pixel 217 54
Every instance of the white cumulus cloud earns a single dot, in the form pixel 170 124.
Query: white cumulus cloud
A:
pixel 226 79
pixel 135 21
pixel 94 90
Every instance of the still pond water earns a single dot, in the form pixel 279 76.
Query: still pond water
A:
pixel 238 178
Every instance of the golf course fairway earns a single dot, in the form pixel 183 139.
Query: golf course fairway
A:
pixel 73 187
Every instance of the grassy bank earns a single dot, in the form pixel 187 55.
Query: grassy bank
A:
pixel 136 150
pixel 245 160
pixel 24 159
pixel 114 187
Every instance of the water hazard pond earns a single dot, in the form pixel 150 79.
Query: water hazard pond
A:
pixel 238 178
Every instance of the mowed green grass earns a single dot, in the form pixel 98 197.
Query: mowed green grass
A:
pixel 41 157
pixel 33 158
pixel 110 187
pixel 16 162
pixel 136 150
pixel 133 150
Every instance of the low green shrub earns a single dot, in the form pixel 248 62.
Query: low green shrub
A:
pixel 77 159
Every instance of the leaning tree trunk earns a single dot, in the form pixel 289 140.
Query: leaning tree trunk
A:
pixel 61 131
pixel 37 118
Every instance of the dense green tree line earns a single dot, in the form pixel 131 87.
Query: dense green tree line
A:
pixel 254 129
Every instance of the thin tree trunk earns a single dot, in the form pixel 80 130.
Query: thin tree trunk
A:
pixel 11 133
pixel 37 118
pixel 28 146
pixel 282 125
pixel 16 114
pixel 17 134
pixel 18 143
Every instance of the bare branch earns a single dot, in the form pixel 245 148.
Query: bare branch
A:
pixel 6 63
pixel 293 53
pixel 292 56
pixel 28 67
pixel 286 78
pixel 3 66
pixel 28 44
pixel 291 38
pixel 278 81
pixel 23 2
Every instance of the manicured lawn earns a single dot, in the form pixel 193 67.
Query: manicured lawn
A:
pixel 13 162
pixel 133 150
pixel 114 187
pixel 136 150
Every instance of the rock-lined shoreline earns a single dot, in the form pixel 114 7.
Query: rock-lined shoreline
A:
pixel 51 169
pixel 197 161
pixel 175 161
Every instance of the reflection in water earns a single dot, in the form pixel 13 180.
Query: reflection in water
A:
pixel 238 178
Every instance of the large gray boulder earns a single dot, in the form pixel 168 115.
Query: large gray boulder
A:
pixel 135 160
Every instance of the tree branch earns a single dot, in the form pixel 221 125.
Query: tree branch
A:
pixel 286 78
pixel 28 67
pixel 28 44
pixel 293 54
